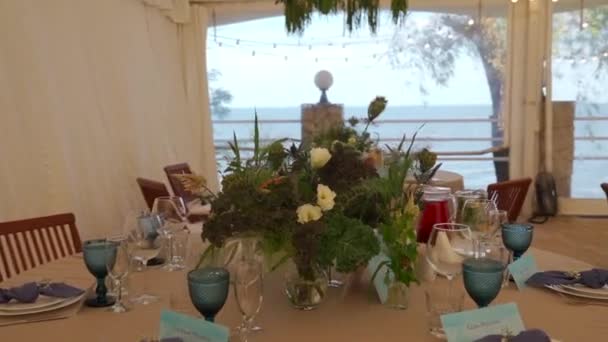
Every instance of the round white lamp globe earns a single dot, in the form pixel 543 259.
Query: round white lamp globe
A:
pixel 324 80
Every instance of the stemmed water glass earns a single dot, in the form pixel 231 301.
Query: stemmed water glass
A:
pixel 144 246
pixel 208 288
pixel 448 245
pixel 118 269
pixel 483 276
pixel 248 290
pixel 517 237
pixel 476 214
pixel 173 212
pixel 97 254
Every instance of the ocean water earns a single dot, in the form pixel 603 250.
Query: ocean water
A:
pixel 587 175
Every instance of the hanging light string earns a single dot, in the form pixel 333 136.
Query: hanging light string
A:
pixel 249 42
pixel 270 49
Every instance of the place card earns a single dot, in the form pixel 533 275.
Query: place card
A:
pixel 467 326
pixel 380 283
pixel 175 326
pixel 522 269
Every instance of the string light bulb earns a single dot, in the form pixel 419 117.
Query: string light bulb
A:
pixel 471 22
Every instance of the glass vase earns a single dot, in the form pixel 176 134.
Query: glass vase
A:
pixel 398 295
pixel 242 248
pixel 305 286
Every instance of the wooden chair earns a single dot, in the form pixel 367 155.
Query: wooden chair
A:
pixel 25 244
pixel 510 195
pixel 151 189
pixel 176 185
pixel 605 188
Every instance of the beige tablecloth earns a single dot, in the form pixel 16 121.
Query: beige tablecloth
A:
pixel 354 315
pixel 446 179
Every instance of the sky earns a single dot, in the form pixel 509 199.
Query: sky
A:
pixel 268 78
pixel 259 73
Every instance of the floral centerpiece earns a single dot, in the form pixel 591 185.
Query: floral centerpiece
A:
pixel 318 207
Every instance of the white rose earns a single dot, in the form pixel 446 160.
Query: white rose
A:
pixel 319 157
pixel 325 197
pixel 308 212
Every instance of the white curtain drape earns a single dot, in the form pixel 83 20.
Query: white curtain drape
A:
pixel 92 95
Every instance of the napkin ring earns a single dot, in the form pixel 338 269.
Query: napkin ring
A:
pixel 574 275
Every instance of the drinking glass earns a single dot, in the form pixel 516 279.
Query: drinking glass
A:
pixel 483 277
pixel 248 290
pixel 97 254
pixel 476 215
pixel 517 237
pixel 118 269
pixel 441 301
pixel 448 245
pixel 181 239
pixel 208 288
pixel 331 281
pixel 144 246
pixel 497 219
pixel 173 212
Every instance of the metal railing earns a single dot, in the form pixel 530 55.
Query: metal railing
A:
pixel 443 155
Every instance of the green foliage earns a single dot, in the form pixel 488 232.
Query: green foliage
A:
pixel 298 13
pixel 260 196
pixel 399 237
pixel 349 242
pixel 345 169
pixel 219 97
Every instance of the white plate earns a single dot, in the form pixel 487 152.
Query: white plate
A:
pixel 601 292
pixel 576 294
pixel 41 302
pixel 62 304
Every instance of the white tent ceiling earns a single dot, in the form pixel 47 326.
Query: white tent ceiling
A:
pixel 232 11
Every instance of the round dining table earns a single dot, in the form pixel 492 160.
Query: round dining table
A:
pixel 350 313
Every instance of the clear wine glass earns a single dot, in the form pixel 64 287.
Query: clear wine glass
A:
pixel 448 245
pixel 476 215
pixel 144 246
pixel 248 290
pixel 174 213
pixel 118 269
pixel 497 218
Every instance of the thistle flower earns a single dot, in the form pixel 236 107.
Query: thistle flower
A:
pixel 375 108
pixel 426 160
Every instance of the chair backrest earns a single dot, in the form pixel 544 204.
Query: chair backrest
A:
pixel 605 188
pixel 176 184
pixel 510 195
pixel 151 190
pixel 25 244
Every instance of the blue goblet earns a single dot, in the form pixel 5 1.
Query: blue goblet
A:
pixel 208 288
pixel 517 237
pixel 98 254
pixel 482 279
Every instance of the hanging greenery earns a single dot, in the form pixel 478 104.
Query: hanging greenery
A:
pixel 298 13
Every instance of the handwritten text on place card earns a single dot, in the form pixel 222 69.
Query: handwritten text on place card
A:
pixel 471 325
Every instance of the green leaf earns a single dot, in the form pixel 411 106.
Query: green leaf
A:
pixel 256 140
